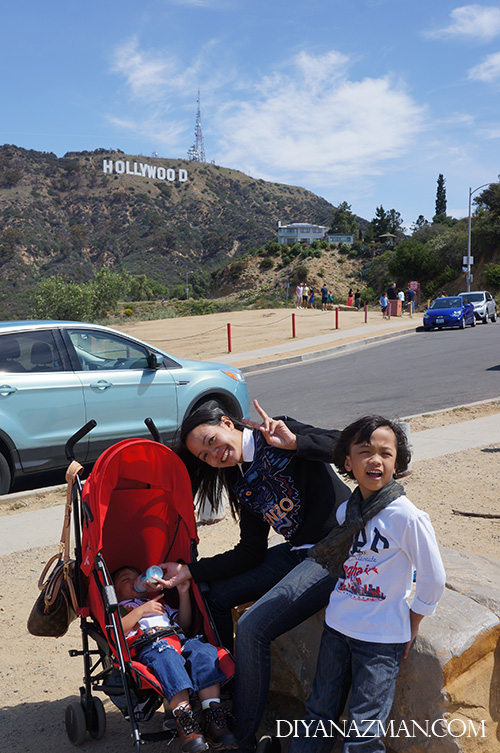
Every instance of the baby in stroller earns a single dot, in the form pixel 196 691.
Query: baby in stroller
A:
pixel 181 664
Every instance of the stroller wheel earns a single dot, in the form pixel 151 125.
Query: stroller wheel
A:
pixel 268 744
pixel 97 726
pixel 76 726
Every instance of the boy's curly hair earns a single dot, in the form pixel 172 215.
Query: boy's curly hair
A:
pixel 360 431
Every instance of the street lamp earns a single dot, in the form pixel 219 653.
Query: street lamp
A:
pixel 472 191
pixel 187 286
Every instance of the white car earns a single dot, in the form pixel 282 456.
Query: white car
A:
pixel 484 305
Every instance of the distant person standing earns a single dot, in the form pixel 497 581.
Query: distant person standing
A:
pixel 384 303
pixel 410 295
pixel 298 295
pixel 401 297
pixel 392 293
pixel 357 299
pixel 324 296
pixel 350 297
pixel 311 299
pixel 305 296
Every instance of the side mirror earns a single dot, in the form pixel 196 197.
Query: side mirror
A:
pixel 155 361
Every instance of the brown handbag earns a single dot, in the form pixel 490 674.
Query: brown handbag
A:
pixel 56 606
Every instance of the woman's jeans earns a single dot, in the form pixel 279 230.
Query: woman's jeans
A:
pixel 291 587
pixel 371 670
pixel 195 668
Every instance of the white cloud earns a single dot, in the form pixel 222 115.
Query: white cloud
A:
pixel 480 22
pixel 487 71
pixel 315 121
pixel 151 75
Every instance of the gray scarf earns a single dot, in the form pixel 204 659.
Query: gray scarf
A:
pixel 332 551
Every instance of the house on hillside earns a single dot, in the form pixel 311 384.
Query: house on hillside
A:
pixel 340 238
pixel 306 232
pixel 300 232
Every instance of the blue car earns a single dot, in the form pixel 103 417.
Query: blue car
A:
pixel 453 311
pixel 55 376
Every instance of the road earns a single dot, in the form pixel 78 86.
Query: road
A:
pixel 421 372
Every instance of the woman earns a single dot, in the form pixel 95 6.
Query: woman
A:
pixel 277 475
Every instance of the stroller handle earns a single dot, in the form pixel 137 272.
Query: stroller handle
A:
pixel 70 444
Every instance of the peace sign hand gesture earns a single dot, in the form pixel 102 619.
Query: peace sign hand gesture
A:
pixel 276 433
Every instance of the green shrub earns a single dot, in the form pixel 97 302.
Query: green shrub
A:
pixel 492 275
pixel 266 263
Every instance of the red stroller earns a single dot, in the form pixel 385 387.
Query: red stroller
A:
pixel 135 508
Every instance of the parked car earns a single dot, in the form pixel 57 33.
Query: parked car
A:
pixel 55 376
pixel 449 312
pixel 484 305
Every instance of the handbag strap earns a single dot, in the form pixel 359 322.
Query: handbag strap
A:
pixel 74 469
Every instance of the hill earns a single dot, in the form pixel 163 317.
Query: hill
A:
pixel 74 214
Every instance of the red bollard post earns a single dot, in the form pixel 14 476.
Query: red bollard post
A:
pixel 336 317
pixel 294 334
pixel 229 345
pixel 366 313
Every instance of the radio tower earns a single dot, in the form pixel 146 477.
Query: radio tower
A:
pixel 197 152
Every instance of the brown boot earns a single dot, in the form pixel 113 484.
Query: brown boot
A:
pixel 217 732
pixel 190 734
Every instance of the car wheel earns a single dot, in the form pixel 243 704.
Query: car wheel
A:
pixel 5 475
pixel 462 323
pixel 494 316
pixel 473 322
pixel 485 319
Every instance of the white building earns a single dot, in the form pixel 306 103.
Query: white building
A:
pixel 340 238
pixel 300 232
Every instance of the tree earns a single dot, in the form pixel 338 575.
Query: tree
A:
pixel 440 199
pixel 56 298
pixel 412 260
pixel 381 223
pixel 395 221
pixel 343 220
pixel 419 223
pixel 106 289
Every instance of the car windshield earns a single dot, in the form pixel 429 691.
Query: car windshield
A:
pixel 446 303
pixel 475 297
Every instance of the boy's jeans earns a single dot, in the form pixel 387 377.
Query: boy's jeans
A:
pixel 371 669
pixel 196 668
pixel 294 587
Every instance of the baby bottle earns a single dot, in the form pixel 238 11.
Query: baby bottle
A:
pixel 147 580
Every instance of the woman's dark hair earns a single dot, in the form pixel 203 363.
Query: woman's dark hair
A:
pixel 210 483
pixel 361 431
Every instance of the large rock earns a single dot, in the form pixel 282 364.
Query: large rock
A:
pixel 448 691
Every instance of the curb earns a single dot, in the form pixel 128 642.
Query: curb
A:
pixel 325 352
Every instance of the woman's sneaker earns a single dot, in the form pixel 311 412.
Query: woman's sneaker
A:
pixel 189 730
pixel 218 734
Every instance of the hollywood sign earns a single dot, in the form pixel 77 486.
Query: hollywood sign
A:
pixel 123 167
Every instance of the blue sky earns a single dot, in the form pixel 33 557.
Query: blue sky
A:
pixel 364 101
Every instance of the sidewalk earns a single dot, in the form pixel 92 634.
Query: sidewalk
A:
pixel 319 346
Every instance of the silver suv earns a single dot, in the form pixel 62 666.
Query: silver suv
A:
pixel 484 305
pixel 55 376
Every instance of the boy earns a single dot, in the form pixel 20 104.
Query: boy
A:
pixel 369 627
pixel 169 663
pixel 384 303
